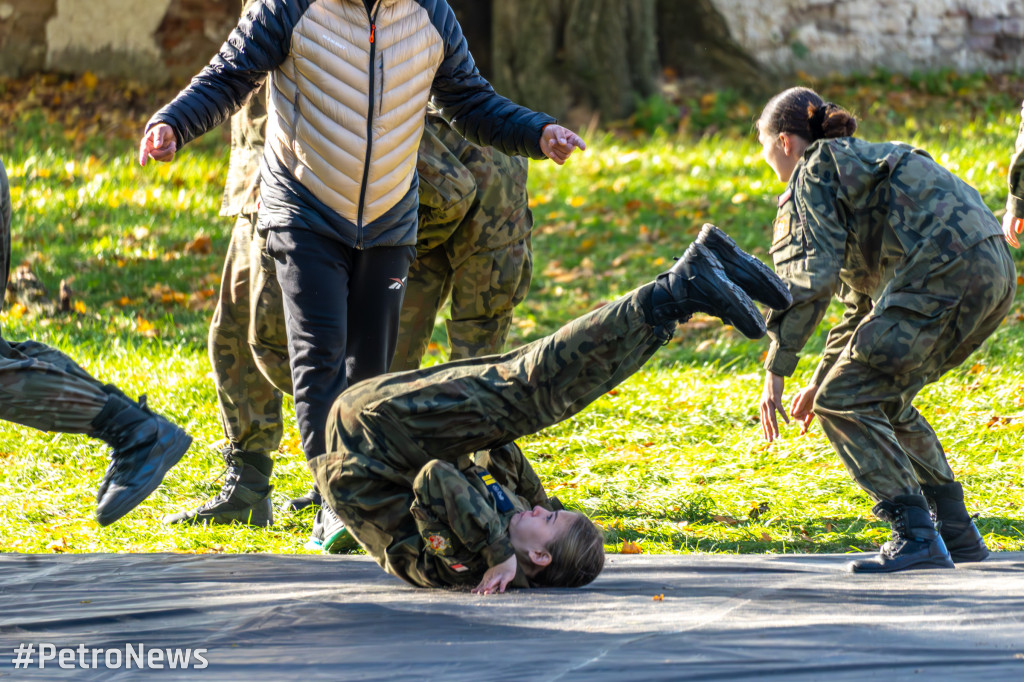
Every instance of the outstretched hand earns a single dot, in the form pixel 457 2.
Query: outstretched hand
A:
pixel 1012 226
pixel 557 143
pixel 771 403
pixel 497 577
pixel 159 143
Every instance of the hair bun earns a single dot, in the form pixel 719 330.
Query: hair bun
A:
pixel 836 121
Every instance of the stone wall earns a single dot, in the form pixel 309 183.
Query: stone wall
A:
pixel 820 36
pixel 160 40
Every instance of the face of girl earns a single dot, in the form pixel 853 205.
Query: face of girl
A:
pixel 781 152
pixel 538 528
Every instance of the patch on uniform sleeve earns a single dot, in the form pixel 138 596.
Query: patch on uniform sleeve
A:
pixel 785 196
pixel 459 568
pixel 782 227
pixel 438 542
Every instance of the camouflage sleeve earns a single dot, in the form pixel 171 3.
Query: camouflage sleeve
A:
pixel 1015 199
pixel 445 498
pixel 447 187
pixel 808 246
pixel 510 468
pixel 857 306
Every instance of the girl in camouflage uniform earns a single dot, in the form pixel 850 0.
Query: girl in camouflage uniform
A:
pixel 920 263
pixel 398 472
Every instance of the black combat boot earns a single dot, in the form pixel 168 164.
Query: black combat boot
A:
pixel 757 280
pixel 697 283
pixel 915 544
pixel 144 447
pixel 310 499
pixel 956 526
pixel 244 497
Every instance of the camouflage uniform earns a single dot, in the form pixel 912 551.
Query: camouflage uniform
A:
pixel 40 386
pixel 247 344
pixel 920 263
pixel 1015 177
pixel 473 246
pixel 396 469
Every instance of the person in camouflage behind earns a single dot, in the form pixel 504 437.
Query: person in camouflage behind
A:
pixel 1013 219
pixel 472 200
pixel 44 389
pixel 473 249
pixel 920 264
pixel 422 467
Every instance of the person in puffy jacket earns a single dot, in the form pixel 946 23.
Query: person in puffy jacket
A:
pixel 348 84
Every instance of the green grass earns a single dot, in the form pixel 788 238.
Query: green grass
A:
pixel 672 461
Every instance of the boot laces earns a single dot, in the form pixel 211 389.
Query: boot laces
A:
pixel 231 475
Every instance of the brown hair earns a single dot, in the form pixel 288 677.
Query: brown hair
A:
pixel 577 557
pixel 801 111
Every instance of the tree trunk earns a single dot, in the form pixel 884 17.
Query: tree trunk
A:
pixel 694 40
pixel 571 58
pixel 564 55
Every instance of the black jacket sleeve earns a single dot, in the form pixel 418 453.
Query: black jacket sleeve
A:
pixel 256 46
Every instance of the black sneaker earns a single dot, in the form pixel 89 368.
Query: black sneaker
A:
pixel 756 279
pixel 144 447
pixel 329 533
pixel 235 503
pixel 310 499
pixel 698 283
pixel 915 544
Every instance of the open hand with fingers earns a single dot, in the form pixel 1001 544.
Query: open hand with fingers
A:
pixel 497 577
pixel 771 403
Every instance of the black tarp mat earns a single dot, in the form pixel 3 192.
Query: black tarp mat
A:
pixel 707 617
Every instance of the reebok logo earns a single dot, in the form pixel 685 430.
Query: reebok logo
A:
pixel 397 283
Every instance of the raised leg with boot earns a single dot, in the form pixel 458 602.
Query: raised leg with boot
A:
pixel 144 446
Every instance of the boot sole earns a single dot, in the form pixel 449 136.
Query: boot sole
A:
pixel 853 567
pixel 739 311
pixel 173 451
pixel 220 518
pixel 756 279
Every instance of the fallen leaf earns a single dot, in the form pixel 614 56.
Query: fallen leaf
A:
pixel 726 519
pixel 658 597
pixel 631 548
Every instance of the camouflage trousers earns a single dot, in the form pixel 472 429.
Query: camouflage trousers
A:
pixel 484 289
pixel 247 344
pixel 910 339
pixel 383 430
pixel 41 387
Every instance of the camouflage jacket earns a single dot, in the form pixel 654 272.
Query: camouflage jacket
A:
pixel 463 513
pixel 248 133
pixel 1015 199
pixel 863 220
pixel 457 176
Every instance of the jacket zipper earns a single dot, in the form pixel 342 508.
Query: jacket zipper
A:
pixel 369 126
